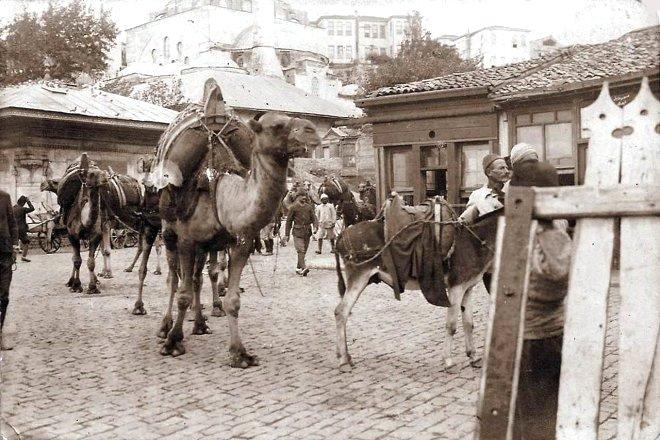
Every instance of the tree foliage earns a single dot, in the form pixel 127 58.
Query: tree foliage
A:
pixel 419 57
pixel 72 36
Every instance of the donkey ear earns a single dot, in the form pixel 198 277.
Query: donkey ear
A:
pixel 255 125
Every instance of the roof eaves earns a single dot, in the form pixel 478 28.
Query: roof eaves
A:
pixel 422 96
pixel 8 112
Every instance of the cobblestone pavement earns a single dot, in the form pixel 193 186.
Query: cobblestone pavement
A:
pixel 83 367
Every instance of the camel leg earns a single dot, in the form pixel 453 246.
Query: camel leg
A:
pixel 159 245
pixel 356 283
pixel 93 287
pixel 239 358
pixel 214 273
pixel 74 283
pixel 140 248
pixel 146 242
pixel 173 279
pixel 200 327
pixel 455 299
pixel 107 268
pixel 173 345
pixel 468 328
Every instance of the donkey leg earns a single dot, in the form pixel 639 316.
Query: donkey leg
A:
pixel 106 247
pixel 146 242
pixel 173 345
pixel 173 279
pixel 468 328
pixel 455 299
pixel 214 272
pixel 93 287
pixel 239 357
pixel 200 327
pixel 356 282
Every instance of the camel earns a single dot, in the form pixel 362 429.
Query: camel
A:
pixel 227 216
pixel 473 252
pixel 348 208
pixel 79 196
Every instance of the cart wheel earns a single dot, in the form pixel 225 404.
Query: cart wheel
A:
pixel 51 246
pixel 117 238
pixel 131 239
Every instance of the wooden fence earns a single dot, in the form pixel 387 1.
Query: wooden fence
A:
pixel 622 181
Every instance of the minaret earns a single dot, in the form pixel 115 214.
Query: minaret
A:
pixel 264 61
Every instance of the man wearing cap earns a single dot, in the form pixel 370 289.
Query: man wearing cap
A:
pixel 327 217
pixel 8 245
pixel 20 213
pixel 300 220
pixel 489 197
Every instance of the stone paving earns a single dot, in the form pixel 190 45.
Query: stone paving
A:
pixel 83 367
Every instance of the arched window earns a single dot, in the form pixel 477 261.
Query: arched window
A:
pixel 315 86
pixel 179 50
pixel 154 56
pixel 186 60
pixel 166 48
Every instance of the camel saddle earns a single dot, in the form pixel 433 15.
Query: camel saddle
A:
pixel 418 246
pixel 69 185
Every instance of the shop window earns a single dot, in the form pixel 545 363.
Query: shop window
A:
pixel 472 173
pixel 551 133
pixel 433 157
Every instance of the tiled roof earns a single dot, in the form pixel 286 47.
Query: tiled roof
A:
pixel 635 52
pixel 74 101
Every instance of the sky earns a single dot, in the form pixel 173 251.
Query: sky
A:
pixel 571 21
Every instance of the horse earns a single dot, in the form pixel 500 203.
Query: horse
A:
pixel 473 252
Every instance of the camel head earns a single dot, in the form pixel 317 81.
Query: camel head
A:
pixel 94 178
pixel 284 137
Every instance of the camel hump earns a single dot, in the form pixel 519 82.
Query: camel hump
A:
pixel 214 104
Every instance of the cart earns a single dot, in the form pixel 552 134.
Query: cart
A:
pixel 48 229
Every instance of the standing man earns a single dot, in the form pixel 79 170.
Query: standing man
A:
pixel 327 217
pixel 489 197
pixel 8 241
pixel 301 219
pixel 20 212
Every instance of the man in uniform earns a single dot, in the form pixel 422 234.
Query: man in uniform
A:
pixel 301 219
pixel 20 212
pixel 327 217
pixel 8 241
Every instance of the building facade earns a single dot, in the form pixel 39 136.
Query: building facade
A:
pixel 430 136
pixel 352 38
pixel 45 126
pixel 493 45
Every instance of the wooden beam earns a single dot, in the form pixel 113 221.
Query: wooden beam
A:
pixel 639 320
pixel 421 96
pixel 507 317
pixel 587 201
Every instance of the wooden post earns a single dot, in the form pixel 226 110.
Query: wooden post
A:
pixel 504 341
pixel 639 318
pixel 589 282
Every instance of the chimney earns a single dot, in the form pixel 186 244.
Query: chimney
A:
pixel 264 61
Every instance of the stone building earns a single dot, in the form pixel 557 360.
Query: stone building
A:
pixel 44 126
pixel 494 45
pixel 352 151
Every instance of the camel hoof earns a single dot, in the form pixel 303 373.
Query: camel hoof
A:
pixel 173 349
pixel 476 362
pixel 218 312
pixel 165 327
pixel 157 272
pixel 346 368
pixel 201 328
pixel 128 269
pixel 76 289
pixel 93 290
pixel 139 310
pixel 243 360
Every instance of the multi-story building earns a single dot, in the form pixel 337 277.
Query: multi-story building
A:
pixel 352 38
pixel 493 45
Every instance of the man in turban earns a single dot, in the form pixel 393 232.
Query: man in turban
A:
pixel 489 197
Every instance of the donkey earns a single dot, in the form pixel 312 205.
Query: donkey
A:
pixel 472 256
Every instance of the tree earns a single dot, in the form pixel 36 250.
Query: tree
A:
pixel 71 36
pixel 420 57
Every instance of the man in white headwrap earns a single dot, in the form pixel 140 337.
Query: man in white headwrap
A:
pixel 523 152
